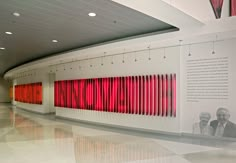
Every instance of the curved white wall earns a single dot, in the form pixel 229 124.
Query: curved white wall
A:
pixel 175 62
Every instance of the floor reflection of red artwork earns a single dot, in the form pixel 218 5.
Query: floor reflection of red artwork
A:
pixel 112 150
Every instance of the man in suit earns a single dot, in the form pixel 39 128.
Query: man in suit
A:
pixel 222 127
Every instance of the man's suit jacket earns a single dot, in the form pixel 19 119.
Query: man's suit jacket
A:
pixel 229 130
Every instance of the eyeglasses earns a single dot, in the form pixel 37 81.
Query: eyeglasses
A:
pixel 222 115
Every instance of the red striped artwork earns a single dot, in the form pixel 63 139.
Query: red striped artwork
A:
pixel 150 95
pixel 29 93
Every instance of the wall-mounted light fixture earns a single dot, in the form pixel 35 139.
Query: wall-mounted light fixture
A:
pixel 123 61
pixel 149 53
pixel 189 50
pixel 135 57
pixel 164 53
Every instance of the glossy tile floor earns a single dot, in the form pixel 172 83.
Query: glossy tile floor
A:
pixel 30 138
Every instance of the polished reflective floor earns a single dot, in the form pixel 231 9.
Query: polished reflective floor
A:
pixel 31 138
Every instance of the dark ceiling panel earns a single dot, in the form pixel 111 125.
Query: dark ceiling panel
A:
pixel 67 21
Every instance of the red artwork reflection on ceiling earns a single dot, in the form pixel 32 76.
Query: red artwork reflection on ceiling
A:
pixel 217 7
pixel 233 7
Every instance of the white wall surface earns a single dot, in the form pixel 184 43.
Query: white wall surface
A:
pixel 51 92
pixel 4 90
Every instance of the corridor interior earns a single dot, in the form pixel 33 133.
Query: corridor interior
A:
pixel 27 137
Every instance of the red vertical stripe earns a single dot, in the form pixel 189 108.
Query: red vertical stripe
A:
pixel 127 92
pixel 102 95
pixel 111 102
pixel 171 95
pixel 163 95
pixel 98 95
pixel 137 99
pixel 134 95
pixel 160 95
pixel 174 94
pixel 90 94
pixel 167 95
pixel 141 88
pixel 132 106
pixel 115 94
pixel 106 94
pixel 151 86
pixel 75 94
pixel 142 95
pixel 88 98
pixel 124 95
pixel 81 85
pixel 95 94
pixel 119 95
pixel 68 94
pixel 155 95
pixel 147 95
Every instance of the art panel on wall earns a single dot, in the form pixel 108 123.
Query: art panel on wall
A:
pixel 29 93
pixel 153 95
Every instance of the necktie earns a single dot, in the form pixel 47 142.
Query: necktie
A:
pixel 219 130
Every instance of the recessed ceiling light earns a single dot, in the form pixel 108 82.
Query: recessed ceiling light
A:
pixel 9 33
pixel 54 41
pixel 16 14
pixel 92 14
pixel 2 48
